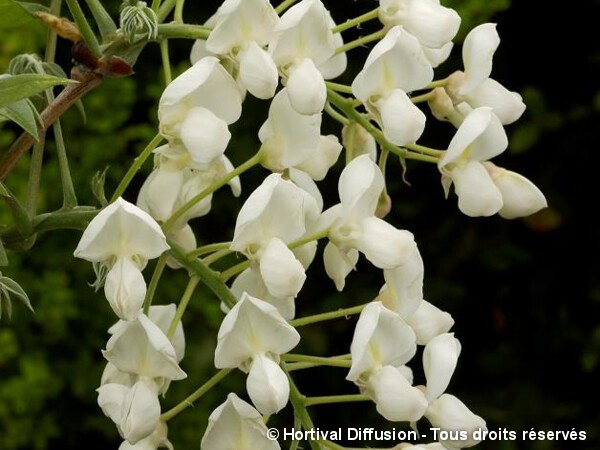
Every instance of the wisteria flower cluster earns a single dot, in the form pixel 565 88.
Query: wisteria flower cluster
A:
pixel 287 56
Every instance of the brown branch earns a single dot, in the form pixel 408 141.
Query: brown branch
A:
pixel 69 95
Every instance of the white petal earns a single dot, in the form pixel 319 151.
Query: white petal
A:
pixel 520 196
pixel 204 135
pixel 288 137
pixel 437 56
pixel 428 321
pixel 477 193
pixel 159 192
pixel 433 24
pixel 267 385
pixel 237 23
pixel 383 244
pixel 304 181
pixel 306 88
pixel 439 362
pixel 282 273
pixel 339 264
pixel 395 398
pixel 360 186
pixel 206 84
pixel 507 105
pixel 480 137
pixel 304 31
pixel 121 229
pixel 251 327
pixel 325 156
pixel 478 53
pixel 396 62
pixel 111 374
pixel 110 398
pixel 380 338
pixel 186 239
pixel 140 412
pixel 358 141
pixel 403 122
pixel 125 289
pixel 251 282
pixel 258 72
pixel 235 424
pixel 277 208
pixel 142 348
pixel 162 316
pixel 450 414
pixel 405 285
pixel 336 65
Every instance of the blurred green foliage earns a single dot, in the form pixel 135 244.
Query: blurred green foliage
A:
pixel 531 342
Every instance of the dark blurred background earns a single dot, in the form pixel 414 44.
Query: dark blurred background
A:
pixel 525 294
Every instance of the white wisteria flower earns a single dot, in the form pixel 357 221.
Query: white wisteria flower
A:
pixel 480 137
pixel 394 67
pixel 382 344
pixel 196 108
pixel 274 215
pixel 352 223
pixel 124 238
pixel 439 362
pixel 450 414
pixel 474 86
pixel 303 48
pixel 158 439
pixel 236 425
pixel 428 321
pixel 520 197
pixel 252 337
pixel 241 29
pixel 431 23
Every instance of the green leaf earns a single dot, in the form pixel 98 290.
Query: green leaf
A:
pixel 3 257
pixel 24 114
pixel 10 289
pixel 17 87
pixel 15 14
pixel 19 213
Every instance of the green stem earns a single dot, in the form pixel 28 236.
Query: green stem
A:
pixel 166 63
pixel 339 87
pixel 50 54
pixel 155 5
pixel 183 303
pixel 318 360
pixel 327 399
pixel 69 196
pixel 361 41
pixel 345 105
pixel 425 150
pixel 437 83
pixel 35 174
pixel 421 98
pixel 332 445
pixel 216 256
pixel 76 219
pixel 178 16
pixel 327 316
pixel 212 188
pixel 175 30
pixel 233 271
pixel 208 249
pixel 165 9
pixel 158 271
pixel 300 411
pixel 84 27
pixel 137 164
pixel 336 115
pixel 106 25
pixel 284 5
pixel 189 401
pixel 374 14
pixel 208 276
pixel 305 240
